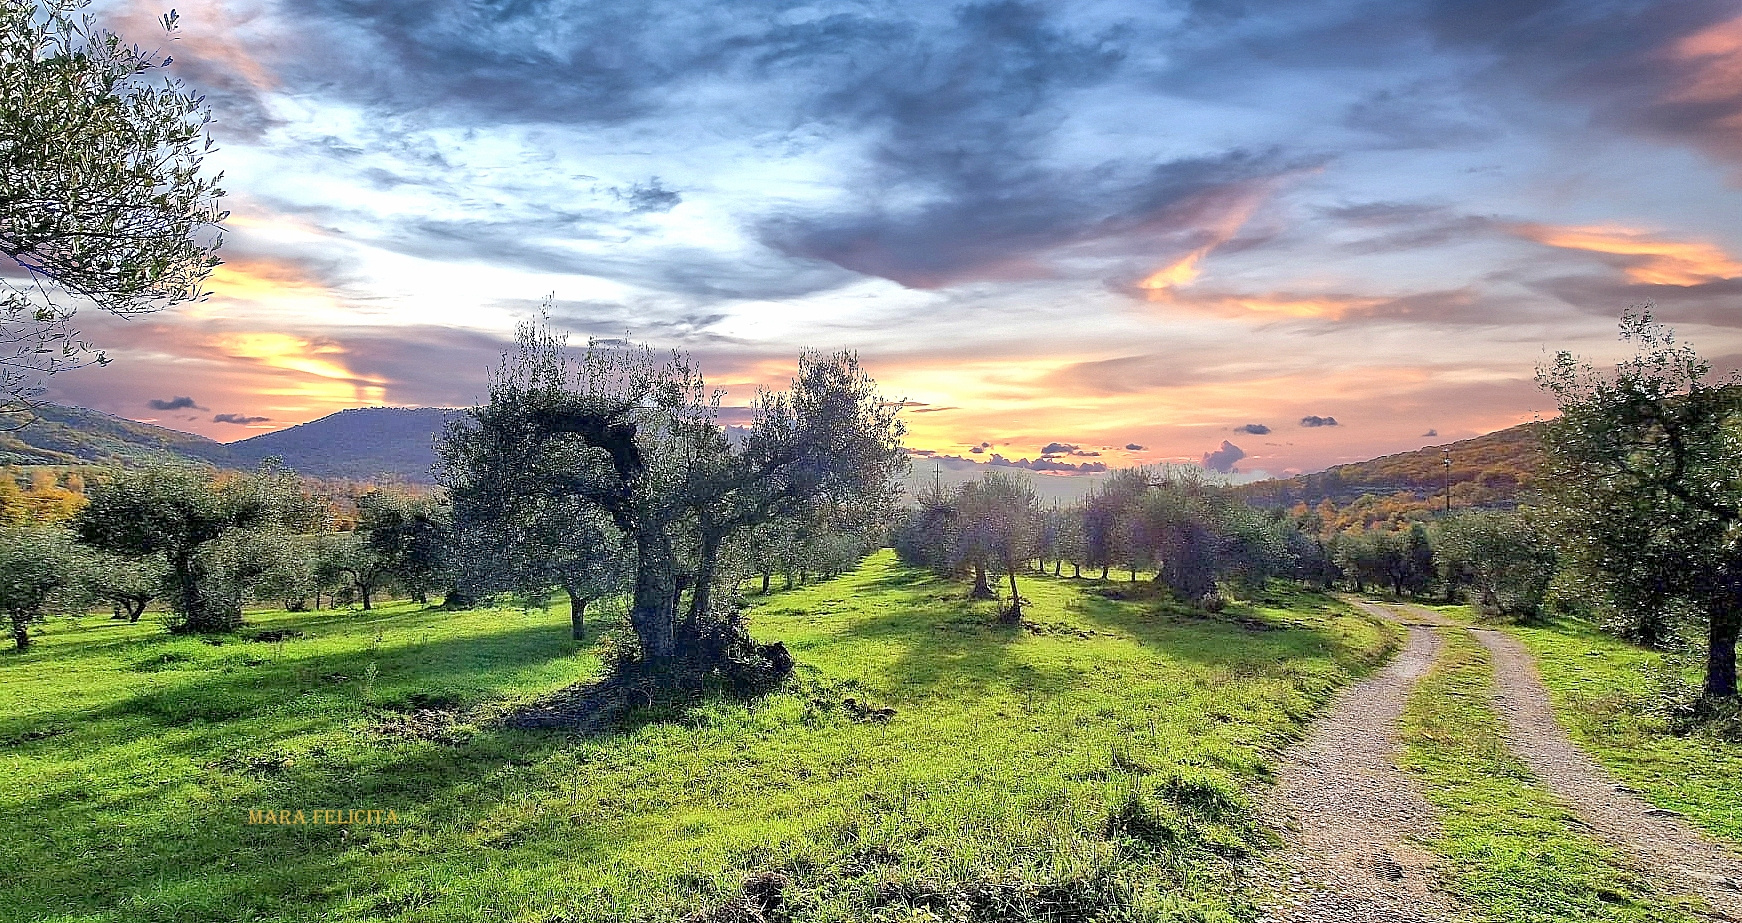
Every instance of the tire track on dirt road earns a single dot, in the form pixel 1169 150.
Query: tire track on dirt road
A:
pixel 1353 821
pixel 1660 842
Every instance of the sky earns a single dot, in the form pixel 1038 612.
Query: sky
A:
pixel 1267 237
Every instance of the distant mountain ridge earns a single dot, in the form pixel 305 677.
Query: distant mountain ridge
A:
pixel 399 443
pixel 359 444
pixel 77 436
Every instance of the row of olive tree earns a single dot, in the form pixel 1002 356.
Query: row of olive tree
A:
pixel 205 544
pixel 1192 532
pixel 605 471
pixel 1501 561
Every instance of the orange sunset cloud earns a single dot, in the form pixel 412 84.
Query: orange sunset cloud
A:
pixel 1646 259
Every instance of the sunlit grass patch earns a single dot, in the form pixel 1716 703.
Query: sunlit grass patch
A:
pixel 923 760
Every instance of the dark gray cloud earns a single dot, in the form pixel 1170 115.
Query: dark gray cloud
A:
pixel 1430 434
pixel 1605 295
pixel 1047 464
pixel 1133 447
pixel 1223 458
pixel 1001 218
pixel 1628 61
pixel 1313 421
pixel 1255 429
pixel 240 419
pixel 651 197
pixel 174 403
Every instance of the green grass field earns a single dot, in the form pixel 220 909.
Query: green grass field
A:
pixel 1095 760
pixel 1516 854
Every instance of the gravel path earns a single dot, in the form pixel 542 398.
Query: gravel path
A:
pixel 1659 840
pixel 1353 820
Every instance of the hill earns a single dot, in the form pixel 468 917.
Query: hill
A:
pixel 362 444
pixel 1487 471
pixel 359 444
pixel 399 442
pixel 76 436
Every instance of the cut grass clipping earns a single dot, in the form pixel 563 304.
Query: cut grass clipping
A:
pixel 1514 853
pixel 1088 765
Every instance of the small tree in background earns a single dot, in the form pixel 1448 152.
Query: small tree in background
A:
pixel 128 583
pixel 348 562
pixel 41 572
pixel 1503 559
pixel 412 536
pixel 999 521
pixel 216 538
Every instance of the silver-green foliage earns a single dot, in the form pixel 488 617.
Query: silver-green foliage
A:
pixel 103 198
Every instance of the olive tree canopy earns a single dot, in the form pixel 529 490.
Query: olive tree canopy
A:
pixel 1644 478
pixel 102 196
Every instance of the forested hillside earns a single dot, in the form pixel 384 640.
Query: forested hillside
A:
pixel 1488 471
pixel 360 444
pixel 76 436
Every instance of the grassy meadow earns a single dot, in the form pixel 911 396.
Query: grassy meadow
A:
pixel 1098 759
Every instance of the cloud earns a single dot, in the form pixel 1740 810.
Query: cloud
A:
pixel 1313 421
pixel 1644 258
pixel 1430 434
pixel 1663 70
pixel 239 419
pixel 1255 429
pixel 649 198
pixel 1047 464
pixel 1013 221
pixel 1223 458
pixel 174 403
pixel 1133 447
pixel 1065 448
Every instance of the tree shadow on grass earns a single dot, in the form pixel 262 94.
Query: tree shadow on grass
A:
pixel 145 853
pixel 1236 638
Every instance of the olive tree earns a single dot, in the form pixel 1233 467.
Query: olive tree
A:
pixel 41 571
pixel 128 583
pixel 1503 559
pixel 218 537
pixel 410 535
pixel 102 194
pixel 1643 475
pixel 999 523
pixel 624 435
